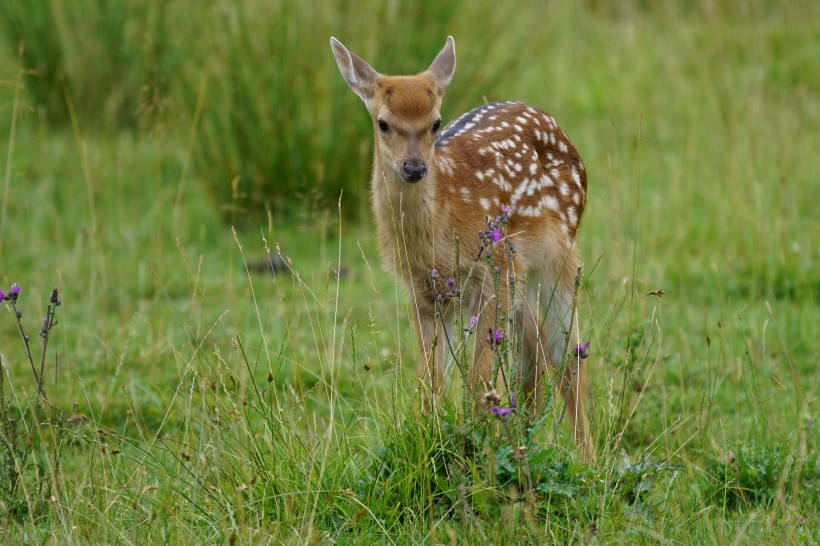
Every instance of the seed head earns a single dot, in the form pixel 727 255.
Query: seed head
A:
pixel 491 397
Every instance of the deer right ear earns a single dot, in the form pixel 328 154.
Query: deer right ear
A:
pixel 359 75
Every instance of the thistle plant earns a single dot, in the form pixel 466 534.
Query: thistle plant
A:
pixel 23 451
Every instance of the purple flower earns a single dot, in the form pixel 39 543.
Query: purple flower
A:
pixel 14 291
pixel 495 338
pixel 495 236
pixel 505 209
pixel 2 295
pixel 501 412
pixel 473 320
pixel 581 350
pixel 434 274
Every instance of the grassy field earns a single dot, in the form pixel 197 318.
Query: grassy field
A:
pixel 195 397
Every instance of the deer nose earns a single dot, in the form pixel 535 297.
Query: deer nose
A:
pixel 414 169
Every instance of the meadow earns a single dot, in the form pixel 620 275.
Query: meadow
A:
pixel 157 157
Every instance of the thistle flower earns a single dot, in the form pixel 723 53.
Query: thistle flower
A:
pixel 581 350
pixel 495 236
pixel 14 291
pixel 473 320
pixel 2 295
pixel 434 274
pixel 501 412
pixel 495 338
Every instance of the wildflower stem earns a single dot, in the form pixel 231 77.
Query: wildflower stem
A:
pixel 49 324
pixel 17 316
pixel 571 355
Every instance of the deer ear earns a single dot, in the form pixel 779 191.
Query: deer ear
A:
pixel 359 75
pixel 444 65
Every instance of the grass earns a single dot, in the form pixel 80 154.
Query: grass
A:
pixel 214 404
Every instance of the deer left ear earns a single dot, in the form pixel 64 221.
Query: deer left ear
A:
pixel 444 66
pixel 360 76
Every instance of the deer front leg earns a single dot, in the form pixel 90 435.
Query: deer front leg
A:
pixel 429 370
pixel 491 332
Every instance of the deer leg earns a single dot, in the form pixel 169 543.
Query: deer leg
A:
pixel 574 389
pixel 546 343
pixel 430 357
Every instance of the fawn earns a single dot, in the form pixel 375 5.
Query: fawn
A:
pixel 434 189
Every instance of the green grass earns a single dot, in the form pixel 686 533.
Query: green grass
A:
pixel 227 406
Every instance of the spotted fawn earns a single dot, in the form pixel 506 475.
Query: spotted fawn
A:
pixel 434 189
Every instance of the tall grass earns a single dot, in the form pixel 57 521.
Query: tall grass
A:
pixel 106 63
pixel 294 140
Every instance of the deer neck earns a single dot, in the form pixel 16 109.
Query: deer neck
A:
pixel 408 215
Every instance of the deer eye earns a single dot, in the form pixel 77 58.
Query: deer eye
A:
pixel 436 125
pixel 383 126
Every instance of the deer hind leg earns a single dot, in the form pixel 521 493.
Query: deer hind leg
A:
pixel 546 332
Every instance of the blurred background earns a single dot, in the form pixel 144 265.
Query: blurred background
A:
pixel 251 88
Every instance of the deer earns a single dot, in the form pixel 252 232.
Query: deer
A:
pixel 434 189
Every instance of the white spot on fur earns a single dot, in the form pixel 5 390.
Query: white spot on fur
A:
pixel 550 202
pixel 573 218
pixel 545 181
pixel 576 177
